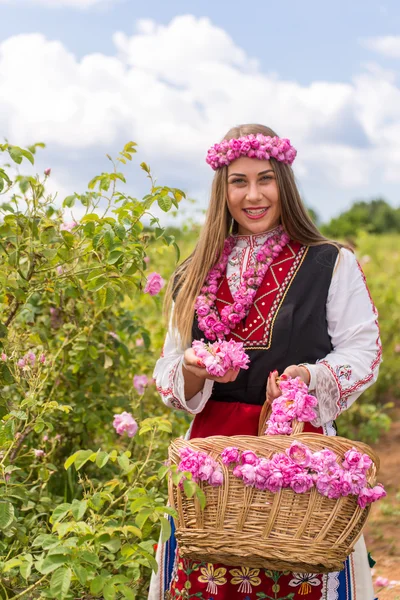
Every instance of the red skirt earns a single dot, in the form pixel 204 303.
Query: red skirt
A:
pixel 222 582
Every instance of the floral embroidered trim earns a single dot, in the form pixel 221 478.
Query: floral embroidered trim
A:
pixel 245 578
pixel 281 289
pixel 345 392
pixel 168 392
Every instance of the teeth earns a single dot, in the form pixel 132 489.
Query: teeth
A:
pixel 258 211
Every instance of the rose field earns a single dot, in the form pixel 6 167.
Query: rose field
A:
pixel 83 432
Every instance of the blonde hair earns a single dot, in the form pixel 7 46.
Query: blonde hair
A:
pixel 188 279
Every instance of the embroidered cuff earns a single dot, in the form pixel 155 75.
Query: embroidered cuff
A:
pixel 197 403
pixel 313 375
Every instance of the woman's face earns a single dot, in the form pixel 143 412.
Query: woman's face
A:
pixel 253 195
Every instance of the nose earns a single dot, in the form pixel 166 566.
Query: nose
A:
pixel 253 192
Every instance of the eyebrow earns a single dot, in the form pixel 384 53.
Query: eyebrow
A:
pixel 244 175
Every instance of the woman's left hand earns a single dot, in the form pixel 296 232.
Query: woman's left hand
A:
pixel 298 371
pixel 273 391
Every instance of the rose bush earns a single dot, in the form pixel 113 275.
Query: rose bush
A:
pixel 81 502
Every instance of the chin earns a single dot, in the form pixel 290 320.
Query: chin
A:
pixel 257 227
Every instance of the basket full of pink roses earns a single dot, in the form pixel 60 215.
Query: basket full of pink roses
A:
pixel 282 500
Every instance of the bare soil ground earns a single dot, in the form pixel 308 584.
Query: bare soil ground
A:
pixel 382 533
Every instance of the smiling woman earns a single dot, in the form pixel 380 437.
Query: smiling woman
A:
pixel 253 196
pixel 263 275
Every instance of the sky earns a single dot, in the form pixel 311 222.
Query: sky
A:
pixel 86 76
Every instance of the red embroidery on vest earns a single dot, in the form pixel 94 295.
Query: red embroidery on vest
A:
pixel 256 331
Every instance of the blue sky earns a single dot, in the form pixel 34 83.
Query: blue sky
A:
pixel 324 74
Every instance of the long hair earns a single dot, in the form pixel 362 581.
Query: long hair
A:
pixel 188 279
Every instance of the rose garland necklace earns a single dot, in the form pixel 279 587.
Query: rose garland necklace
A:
pixel 209 321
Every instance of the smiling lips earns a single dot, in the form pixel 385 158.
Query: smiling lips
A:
pixel 255 213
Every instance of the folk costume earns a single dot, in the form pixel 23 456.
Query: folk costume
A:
pixel 313 308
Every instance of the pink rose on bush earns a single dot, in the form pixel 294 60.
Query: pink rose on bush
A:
pixel 381 581
pixel 124 422
pixel 140 382
pixel 154 284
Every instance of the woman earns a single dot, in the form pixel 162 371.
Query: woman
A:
pixel 309 315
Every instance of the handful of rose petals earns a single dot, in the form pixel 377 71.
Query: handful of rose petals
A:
pixel 218 357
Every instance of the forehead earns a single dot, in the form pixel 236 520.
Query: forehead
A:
pixel 248 166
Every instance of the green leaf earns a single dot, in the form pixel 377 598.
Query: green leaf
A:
pixel 16 154
pixel 165 203
pixel 189 488
pixel 80 572
pixel 127 592
pixel 142 517
pixel 177 251
pixel 11 564
pixel 69 201
pixel 6 514
pixel 51 563
pixel 97 284
pixel 123 462
pixel 113 545
pixel 97 584
pixel 114 257
pixel 60 582
pixel 60 512
pixel 138 503
pixel 201 498
pixel 78 509
pixel 110 297
pixel 108 239
pixel 165 529
pixel 162 471
pixel 102 458
pixel 82 458
pixel 109 591
pixel 90 558
pixel 25 569
pixel 70 461
pixel 145 167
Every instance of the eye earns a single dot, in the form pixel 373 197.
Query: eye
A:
pixel 237 180
pixel 265 177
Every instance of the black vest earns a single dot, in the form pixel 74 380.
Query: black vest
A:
pixel 295 325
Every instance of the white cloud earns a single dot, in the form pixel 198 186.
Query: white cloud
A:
pixel 177 88
pixel 388 45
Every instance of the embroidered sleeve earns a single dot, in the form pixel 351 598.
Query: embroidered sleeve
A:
pixel 169 378
pixel 352 366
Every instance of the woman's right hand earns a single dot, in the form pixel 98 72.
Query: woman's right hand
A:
pixel 194 365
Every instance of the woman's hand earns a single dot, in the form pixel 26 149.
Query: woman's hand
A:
pixel 273 389
pixel 194 365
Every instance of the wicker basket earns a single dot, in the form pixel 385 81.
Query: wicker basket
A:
pixel 243 526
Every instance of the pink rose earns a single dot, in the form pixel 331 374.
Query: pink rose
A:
pixel 274 482
pixel 124 422
pixel 206 469
pixel 38 453
pixel 248 474
pixel 249 458
pixel 154 284
pixel 203 310
pixel 230 455
pixel 300 454
pixel 301 483
pixel 381 582
pixel 140 382
pixel 217 477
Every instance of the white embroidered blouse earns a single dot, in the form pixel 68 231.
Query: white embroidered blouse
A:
pixel 339 378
